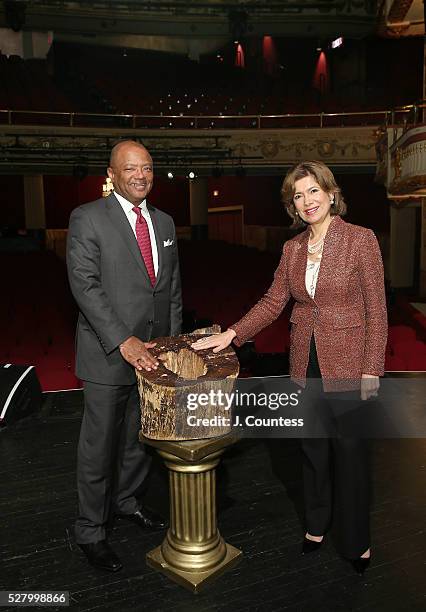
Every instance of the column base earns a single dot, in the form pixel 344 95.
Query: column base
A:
pixel 193 581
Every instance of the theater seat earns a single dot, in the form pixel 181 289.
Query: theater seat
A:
pixel 412 352
pixel 400 333
pixel 275 338
pixel 395 364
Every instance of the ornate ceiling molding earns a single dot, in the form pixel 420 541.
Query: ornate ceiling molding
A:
pixel 332 145
pixel 399 10
pixel 401 18
pixel 402 161
pixel 195 18
pixel 266 151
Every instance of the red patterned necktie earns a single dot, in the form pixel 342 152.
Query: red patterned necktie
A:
pixel 144 242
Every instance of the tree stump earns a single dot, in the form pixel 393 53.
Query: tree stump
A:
pixel 184 373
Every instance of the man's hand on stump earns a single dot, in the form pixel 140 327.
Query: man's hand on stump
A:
pixel 136 352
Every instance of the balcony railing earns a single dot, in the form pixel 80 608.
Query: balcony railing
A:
pixel 405 115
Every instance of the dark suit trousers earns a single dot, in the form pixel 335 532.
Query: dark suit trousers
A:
pixel 348 458
pixel 111 462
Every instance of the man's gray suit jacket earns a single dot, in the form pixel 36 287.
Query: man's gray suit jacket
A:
pixel 110 284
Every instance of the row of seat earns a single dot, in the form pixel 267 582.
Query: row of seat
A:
pixel 26 85
pixel 238 276
pixel 405 351
pixel 37 318
pixel 203 101
pixel 220 283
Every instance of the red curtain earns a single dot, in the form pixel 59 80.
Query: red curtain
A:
pixel 239 56
pixel 321 77
pixel 269 55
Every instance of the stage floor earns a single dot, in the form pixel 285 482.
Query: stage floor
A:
pixel 260 505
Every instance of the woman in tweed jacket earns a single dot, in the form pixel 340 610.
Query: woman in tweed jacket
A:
pixel 334 272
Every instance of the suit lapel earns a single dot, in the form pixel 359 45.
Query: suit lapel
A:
pixel 158 239
pixel 328 260
pixel 301 256
pixel 121 224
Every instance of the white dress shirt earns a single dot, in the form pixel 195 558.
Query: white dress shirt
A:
pixel 131 217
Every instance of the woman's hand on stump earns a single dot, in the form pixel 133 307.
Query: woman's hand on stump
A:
pixel 369 386
pixel 136 352
pixel 217 342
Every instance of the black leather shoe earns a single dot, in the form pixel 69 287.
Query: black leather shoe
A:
pixel 309 546
pixel 360 565
pixel 145 518
pixel 100 554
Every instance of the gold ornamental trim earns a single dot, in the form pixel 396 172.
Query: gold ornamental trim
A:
pixel 399 10
pixel 413 183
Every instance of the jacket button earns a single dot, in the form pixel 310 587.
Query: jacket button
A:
pixel 316 311
pixel 150 322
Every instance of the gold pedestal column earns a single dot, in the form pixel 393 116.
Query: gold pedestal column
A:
pixel 193 552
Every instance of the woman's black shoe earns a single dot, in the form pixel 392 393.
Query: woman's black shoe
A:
pixel 360 565
pixel 310 546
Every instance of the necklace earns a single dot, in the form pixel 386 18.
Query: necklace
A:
pixel 313 268
pixel 316 247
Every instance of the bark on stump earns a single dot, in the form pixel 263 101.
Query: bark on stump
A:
pixel 165 414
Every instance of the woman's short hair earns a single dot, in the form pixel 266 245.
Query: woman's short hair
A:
pixel 325 179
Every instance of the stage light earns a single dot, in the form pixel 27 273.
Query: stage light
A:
pixel 170 175
pixel 191 175
pixel 215 193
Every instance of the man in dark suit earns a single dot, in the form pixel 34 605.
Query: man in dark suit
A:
pixel 124 274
